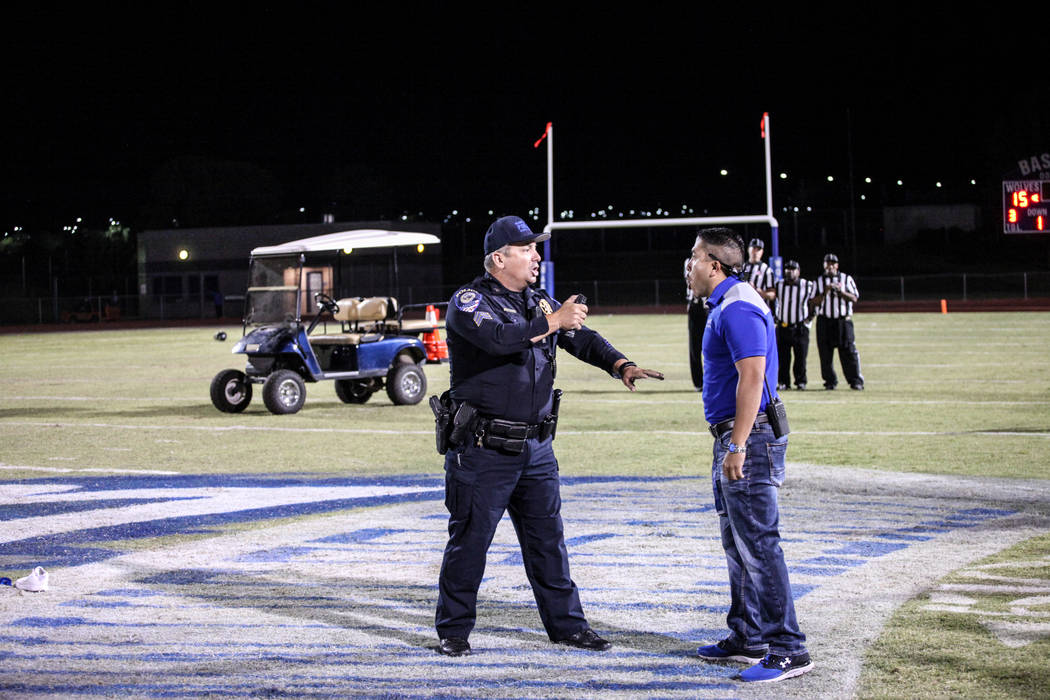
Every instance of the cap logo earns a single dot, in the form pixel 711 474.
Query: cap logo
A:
pixel 522 226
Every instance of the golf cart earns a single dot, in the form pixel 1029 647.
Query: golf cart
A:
pixel 363 344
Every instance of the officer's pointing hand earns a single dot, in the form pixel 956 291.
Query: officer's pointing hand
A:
pixel 629 375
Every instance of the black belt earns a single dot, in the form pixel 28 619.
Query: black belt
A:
pixel 720 429
pixel 505 428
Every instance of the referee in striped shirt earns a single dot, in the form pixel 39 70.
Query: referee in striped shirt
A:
pixel 793 316
pixel 757 273
pixel 835 293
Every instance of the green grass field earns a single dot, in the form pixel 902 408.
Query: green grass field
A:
pixel 948 394
pixel 959 394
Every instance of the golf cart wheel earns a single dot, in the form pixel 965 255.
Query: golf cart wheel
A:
pixel 354 390
pixel 284 392
pixel 406 384
pixel 231 392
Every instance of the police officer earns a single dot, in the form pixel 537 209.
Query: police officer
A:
pixel 793 319
pixel 502 338
pixel 835 293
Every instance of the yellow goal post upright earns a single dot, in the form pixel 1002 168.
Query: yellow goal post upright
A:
pixel 547 266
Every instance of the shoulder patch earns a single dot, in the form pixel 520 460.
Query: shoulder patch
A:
pixel 467 300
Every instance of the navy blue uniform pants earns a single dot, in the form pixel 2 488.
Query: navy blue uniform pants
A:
pixel 480 485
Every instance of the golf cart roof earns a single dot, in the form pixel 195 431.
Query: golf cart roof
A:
pixel 357 238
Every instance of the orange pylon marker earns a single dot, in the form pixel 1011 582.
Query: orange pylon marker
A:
pixel 944 306
pixel 437 349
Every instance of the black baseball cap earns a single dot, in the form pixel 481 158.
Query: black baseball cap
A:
pixel 831 257
pixel 791 265
pixel 756 243
pixel 510 230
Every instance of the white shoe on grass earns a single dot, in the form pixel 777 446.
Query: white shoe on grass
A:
pixel 34 582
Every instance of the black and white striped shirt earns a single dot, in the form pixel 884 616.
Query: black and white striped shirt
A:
pixel 791 301
pixel 835 306
pixel 759 275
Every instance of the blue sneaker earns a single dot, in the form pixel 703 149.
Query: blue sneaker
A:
pixel 777 668
pixel 724 651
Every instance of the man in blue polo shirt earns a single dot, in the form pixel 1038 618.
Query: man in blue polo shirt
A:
pixel 740 372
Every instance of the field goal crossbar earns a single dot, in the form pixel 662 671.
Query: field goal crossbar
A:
pixel 547 266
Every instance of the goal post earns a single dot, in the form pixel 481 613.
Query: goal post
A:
pixel 547 266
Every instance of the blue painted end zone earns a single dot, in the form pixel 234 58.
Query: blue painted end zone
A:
pixel 343 606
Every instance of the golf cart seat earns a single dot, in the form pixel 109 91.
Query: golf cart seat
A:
pixel 378 314
pixel 355 310
pixel 344 338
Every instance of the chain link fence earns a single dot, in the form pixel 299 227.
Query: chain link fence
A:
pixel 102 309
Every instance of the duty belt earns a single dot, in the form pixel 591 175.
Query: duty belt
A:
pixel 720 429
pixel 506 428
pixel 510 436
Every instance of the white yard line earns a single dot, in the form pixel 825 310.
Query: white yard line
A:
pixel 95 470
pixel 813 396
pixel 184 502
pixel 360 431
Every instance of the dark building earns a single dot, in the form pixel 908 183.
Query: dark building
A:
pixel 203 272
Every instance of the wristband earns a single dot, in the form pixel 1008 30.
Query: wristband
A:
pixel 734 449
pixel 625 365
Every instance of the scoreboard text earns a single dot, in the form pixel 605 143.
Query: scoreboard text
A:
pixel 1024 209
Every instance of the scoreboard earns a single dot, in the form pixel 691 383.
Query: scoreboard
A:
pixel 1024 207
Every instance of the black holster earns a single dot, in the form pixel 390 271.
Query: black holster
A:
pixel 442 408
pixel 549 426
pixel 464 424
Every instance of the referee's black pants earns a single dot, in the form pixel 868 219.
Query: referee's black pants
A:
pixel 837 334
pixel 792 338
pixel 697 315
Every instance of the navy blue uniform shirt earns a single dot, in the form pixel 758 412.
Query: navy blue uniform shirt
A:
pixel 494 364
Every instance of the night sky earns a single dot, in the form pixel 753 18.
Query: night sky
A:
pixel 441 108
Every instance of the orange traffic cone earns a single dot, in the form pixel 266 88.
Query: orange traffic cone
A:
pixel 437 349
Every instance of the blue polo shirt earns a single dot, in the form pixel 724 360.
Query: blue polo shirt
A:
pixel 739 325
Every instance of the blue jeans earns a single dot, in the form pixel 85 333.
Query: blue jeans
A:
pixel 762 611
